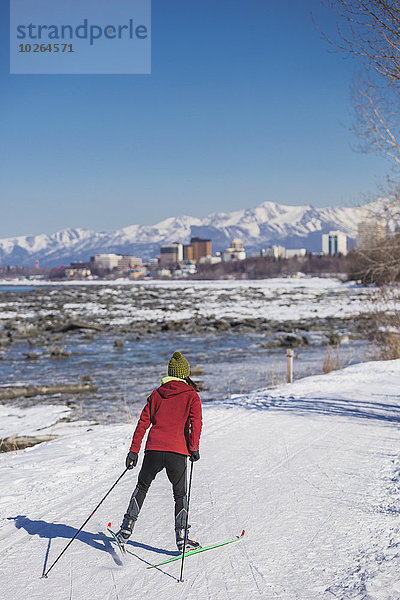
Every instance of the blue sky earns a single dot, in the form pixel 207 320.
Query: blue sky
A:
pixel 245 104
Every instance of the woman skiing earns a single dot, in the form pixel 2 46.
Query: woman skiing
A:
pixel 174 413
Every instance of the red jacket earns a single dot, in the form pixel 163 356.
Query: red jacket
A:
pixel 174 413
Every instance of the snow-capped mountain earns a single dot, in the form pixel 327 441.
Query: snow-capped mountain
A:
pixel 267 224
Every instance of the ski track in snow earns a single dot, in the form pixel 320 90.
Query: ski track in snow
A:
pixel 316 491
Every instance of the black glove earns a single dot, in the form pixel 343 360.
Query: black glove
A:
pixel 131 460
pixel 194 455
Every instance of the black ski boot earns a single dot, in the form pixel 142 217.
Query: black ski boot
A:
pixel 125 530
pixel 180 540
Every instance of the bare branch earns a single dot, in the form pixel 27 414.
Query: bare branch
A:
pixel 376 119
pixel 370 29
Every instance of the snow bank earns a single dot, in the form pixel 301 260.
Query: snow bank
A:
pixel 370 389
pixel 29 421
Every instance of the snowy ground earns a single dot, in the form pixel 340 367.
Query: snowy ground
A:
pixel 311 471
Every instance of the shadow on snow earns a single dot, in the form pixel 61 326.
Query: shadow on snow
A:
pixel 361 409
pixel 98 540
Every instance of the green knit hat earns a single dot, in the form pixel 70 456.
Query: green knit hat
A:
pixel 178 366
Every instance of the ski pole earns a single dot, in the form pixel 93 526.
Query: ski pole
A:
pixel 187 520
pixel 80 529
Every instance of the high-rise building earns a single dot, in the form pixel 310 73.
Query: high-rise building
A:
pixel 334 243
pixel 201 248
pixel 171 254
pixel 370 233
pixel 188 252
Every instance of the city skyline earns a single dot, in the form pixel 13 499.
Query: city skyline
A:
pixel 243 106
pixel 259 227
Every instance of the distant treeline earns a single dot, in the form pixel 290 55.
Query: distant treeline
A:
pixel 13 271
pixel 261 267
pixel 379 265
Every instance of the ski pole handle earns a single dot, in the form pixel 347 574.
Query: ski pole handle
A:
pixel 131 459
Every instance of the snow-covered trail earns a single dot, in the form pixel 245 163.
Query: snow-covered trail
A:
pixel 317 493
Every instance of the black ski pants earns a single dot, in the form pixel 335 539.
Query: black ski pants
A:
pixel 175 466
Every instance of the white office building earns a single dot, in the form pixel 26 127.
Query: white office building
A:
pixel 275 252
pixel 106 262
pixel 292 252
pixel 334 243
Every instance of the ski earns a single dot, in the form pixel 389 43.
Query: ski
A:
pixel 197 551
pixel 120 546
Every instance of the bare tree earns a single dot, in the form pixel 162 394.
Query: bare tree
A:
pixel 376 119
pixel 370 30
pixel 379 264
pixel 381 323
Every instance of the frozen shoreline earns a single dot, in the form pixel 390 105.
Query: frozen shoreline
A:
pixel 118 304
pixel 66 334
pixel 161 282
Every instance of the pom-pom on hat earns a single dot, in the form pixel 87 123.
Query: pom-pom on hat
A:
pixel 178 366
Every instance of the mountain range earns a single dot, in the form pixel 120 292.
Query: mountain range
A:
pixel 267 224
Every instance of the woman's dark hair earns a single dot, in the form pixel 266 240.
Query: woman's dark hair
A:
pixel 192 384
